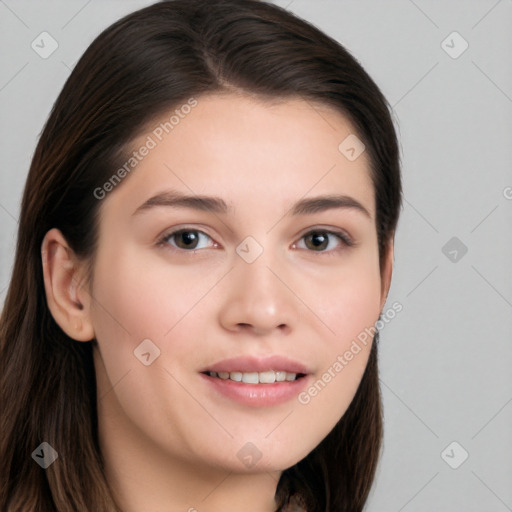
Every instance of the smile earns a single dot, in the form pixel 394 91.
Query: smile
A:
pixel 266 377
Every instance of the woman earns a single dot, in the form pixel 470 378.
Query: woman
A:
pixel 206 232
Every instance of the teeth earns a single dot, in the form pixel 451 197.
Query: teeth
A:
pixel 250 378
pixel 280 376
pixel 268 377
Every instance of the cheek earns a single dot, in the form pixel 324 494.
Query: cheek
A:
pixel 350 306
pixel 347 299
pixel 135 301
pixel 354 308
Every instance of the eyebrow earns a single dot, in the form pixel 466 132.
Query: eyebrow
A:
pixel 307 206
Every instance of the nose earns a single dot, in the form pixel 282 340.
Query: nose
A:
pixel 259 298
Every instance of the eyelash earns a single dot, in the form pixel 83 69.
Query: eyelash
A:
pixel 341 236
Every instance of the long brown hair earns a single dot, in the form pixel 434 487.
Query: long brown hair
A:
pixel 145 64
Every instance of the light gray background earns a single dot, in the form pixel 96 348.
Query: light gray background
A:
pixel 446 358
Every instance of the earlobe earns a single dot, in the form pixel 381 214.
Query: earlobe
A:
pixel 68 301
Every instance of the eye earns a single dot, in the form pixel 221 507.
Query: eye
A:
pixel 319 240
pixel 186 238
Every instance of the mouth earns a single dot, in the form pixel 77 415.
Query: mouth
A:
pixel 257 382
pixel 265 377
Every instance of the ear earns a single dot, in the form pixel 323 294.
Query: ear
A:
pixel 386 272
pixel 66 290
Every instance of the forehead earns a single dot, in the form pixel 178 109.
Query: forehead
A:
pixel 248 150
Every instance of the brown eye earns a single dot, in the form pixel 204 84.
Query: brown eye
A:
pixel 317 240
pixel 320 240
pixel 187 239
pixel 184 239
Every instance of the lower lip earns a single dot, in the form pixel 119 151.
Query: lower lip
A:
pixel 257 395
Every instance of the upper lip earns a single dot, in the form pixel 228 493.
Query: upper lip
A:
pixel 254 364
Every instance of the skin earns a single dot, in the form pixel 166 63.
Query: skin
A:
pixel 170 442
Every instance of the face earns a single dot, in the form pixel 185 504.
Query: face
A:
pixel 191 296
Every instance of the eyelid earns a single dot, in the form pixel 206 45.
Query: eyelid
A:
pixel 344 239
pixel 343 236
pixel 342 233
pixel 163 239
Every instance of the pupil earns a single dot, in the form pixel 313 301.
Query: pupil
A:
pixel 188 237
pixel 318 239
